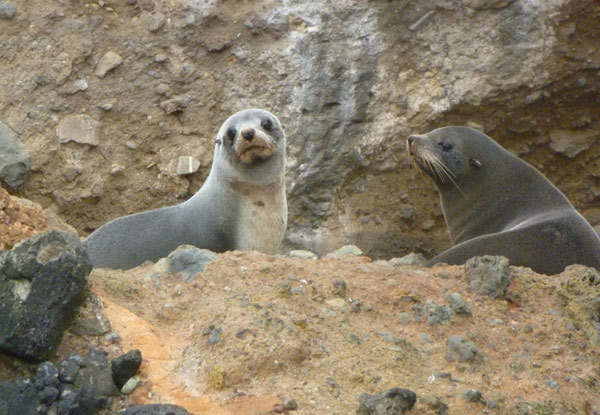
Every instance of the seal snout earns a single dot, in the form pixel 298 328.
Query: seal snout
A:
pixel 409 144
pixel 248 134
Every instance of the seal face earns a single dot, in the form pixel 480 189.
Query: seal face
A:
pixel 241 205
pixel 497 204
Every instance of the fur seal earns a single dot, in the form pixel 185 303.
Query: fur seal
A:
pixel 497 204
pixel 241 205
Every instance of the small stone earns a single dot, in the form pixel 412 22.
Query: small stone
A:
pixel 571 143
pixel 301 253
pixel 472 395
pixel 116 169
pixel 81 129
pixel 187 165
pixel 404 318
pixel 154 21
pixel 160 58
pixel 15 161
pixel 176 104
pixel 458 305
pixel 428 225
pixel 155 409
pixel 393 401
pixel 488 275
pixel 487 4
pixel 459 348
pixel 290 404
pixel 107 63
pixel 67 371
pixel 7 10
pixel 437 406
pixel 437 313
pixel 407 212
pixel 130 385
pixel 215 336
pixel 125 367
pixel 409 259
pixel 346 250
pixel 93 326
pixel 188 261
pixel 190 20
pixel 107 106
pixel 339 288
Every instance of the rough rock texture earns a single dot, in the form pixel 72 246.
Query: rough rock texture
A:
pixel 42 282
pixel 125 366
pixel 395 401
pixel 252 331
pixel 80 390
pixel 488 275
pixel 350 80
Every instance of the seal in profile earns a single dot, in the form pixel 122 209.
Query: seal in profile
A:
pixel 241 205
pixel 497 204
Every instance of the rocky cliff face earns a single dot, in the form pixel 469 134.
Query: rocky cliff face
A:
pixel 108 95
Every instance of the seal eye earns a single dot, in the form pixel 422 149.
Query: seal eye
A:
pixel 446 146
pixel 266 124
pixel 231 133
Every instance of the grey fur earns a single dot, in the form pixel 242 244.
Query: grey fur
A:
pixel 497 204
pixel 241 205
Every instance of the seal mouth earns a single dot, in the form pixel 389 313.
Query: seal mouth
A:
pixel 254 153
pixel 427 161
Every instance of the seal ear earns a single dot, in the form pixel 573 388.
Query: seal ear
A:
pixel 475 163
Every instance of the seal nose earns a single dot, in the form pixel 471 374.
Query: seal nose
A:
pixel 248 134
pixel 411 139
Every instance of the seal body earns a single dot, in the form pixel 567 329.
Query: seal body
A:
pixel 497 204
pixel 241 205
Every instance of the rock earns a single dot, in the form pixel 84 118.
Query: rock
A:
pixel 410 259
pixel 460 349
pixel 488 275
pixel 472 395
pixel 457 304
pixel 188 261
pixel 437 313
pixel 125 367
pixel 155 409
pixel 92 326
pixel 14 159
pixel 486 4
pixel 339 288
pixel 393 401
pixel 302 253
pixel 407 212
pixel 435 404
pixel 154 21
pixel 571 143
pixel 42 282
pixel 49 393
pixel 81 129
pixel 187 165
pixel 7 10
pixel 346 250
pixel 108 62
pixel 68 369
pixel 130 385
pixel 176 104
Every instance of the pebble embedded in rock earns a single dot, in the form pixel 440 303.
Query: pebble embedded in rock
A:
pixel 571 143
pixel 339 288
pixel 346 250
pixel 488 275
pixel 458 305
pixel 301 253
pixel 7 10
pixel 154 21
pixel 176 104
pixel 15 161
pixel 81 129
pixel 409 259
pixel 437 313
pixel 107 63
pixel 472 395
pixel 395 401
pixel 460 349
pixel 130 385
pixel 187 165
pixel 187 261
pixel 125 367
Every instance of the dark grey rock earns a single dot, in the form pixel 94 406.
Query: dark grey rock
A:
pixel 189 261
pixel 46 375
pixel 459 348
pixel 472 395
pixel 155 409
pixel 15 161
pixel 339 288
pixel 125 366
pixel 42 282
pixel 68 370
pixel 94 383
pixel 7 10
pixel 395 401
pixel 19 397
pixel 457 304
pixel 437 313
pixel 488 275
pixel 435 404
